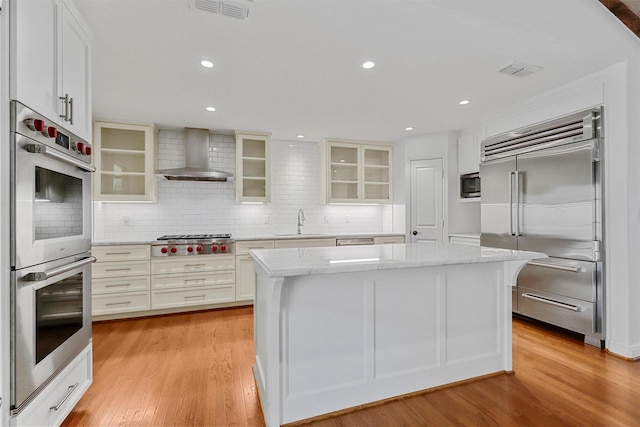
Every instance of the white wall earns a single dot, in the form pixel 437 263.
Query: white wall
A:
pixel 460 217
pixel 186 207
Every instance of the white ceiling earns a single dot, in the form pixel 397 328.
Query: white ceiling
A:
pixel 294 67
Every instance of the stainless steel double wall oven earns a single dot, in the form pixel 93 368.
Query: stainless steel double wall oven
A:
pixel 50 251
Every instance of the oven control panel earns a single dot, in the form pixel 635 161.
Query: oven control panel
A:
pixel 38 128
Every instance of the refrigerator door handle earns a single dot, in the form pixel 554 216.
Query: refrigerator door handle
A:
pixel 552 302
pixel 517 174
pixel 556 267
pixel 511 174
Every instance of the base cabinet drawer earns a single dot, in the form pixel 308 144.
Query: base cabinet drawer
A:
pixel 121 253
pixel 119 269
pixel 118 285
pixel 194 296
pixel 120 303
pixel 211 278
pixel 192 264
pixel 56 401
pixel 569 313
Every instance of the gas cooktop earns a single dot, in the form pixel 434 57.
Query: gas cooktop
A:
pixel 192 244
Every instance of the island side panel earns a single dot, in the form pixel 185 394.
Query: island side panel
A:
pixel 352 338
pixel 266 319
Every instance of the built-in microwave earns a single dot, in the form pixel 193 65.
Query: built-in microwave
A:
pixel 470 185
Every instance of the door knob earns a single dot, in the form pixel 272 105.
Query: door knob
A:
pixel 415 233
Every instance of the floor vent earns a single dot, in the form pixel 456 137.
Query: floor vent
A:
pixel 228 8
pixel 519 69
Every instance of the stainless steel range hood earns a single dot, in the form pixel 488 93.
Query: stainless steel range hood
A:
pixel 196 159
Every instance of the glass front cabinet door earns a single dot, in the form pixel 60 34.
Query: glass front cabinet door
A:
pixel 355 172
pixel 252 167
pixel 125 162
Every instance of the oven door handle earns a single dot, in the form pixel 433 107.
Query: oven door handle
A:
pixel 43 149
pixel 44 275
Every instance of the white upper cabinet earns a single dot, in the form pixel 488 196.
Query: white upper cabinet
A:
pixel 51 62
pixel 76 74
pixel 252 167
pixel 355 172
pixel 468 152
pixel 125 158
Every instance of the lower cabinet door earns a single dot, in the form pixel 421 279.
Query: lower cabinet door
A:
pixel 245 278
pixel 55 402
pixel 194 296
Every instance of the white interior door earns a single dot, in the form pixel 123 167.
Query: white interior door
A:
pixel 426 201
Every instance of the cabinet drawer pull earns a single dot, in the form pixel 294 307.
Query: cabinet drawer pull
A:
pixel 194 265
pixel 117 285
pixel 118 303
pixel 118 253
pixel 194 296
pixel 194 281
pixel 70 390
pixel 552 302
pixel 117 269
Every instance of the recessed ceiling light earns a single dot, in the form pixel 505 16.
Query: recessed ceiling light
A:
pixel 408 128
pixel 206 64
pixel 368 65
pixel 210 109
pixel 300 136
pixel 465 102
pixel 291 145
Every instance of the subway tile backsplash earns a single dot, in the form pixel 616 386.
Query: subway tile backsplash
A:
pixel 186 207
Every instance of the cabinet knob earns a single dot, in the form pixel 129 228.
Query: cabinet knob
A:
pixel 415 232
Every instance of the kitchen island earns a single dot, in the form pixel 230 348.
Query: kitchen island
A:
pixel 340 327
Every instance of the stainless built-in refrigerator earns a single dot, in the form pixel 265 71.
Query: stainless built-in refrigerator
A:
pixel 542 191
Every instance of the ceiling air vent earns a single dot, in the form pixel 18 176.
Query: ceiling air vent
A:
pixel 518 69
pixel 228 8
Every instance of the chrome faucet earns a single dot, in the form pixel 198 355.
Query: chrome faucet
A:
pixel 300 219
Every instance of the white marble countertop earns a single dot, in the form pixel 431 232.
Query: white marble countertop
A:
pixel 324 260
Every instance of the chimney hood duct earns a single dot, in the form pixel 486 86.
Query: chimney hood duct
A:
pixel 196 160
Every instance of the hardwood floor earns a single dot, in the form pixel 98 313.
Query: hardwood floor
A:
pixel 195 370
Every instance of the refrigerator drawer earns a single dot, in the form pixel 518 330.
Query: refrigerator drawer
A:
pixel 575 279
pixel 569 313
